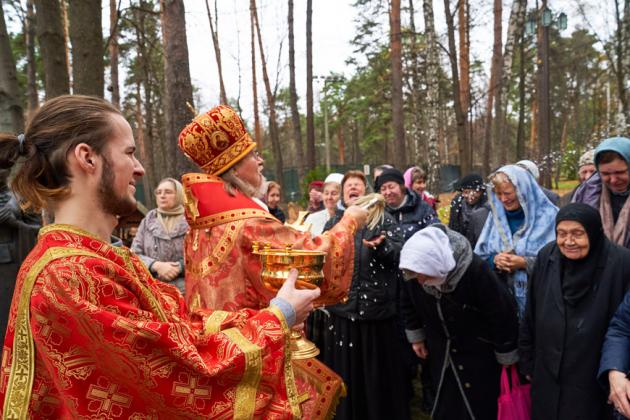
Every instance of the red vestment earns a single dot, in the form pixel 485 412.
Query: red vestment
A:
pixel 92 335
pixel 223 273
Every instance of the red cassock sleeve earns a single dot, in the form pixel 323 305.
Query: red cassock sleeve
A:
pixel 111 342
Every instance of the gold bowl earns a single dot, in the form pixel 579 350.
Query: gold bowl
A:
pixel 277 263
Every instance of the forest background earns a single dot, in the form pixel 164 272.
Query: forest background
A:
pixel 451 85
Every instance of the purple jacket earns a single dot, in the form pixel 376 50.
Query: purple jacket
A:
pixel 153 243
pixel 589 193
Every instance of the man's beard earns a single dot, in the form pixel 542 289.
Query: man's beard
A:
pixel 111 202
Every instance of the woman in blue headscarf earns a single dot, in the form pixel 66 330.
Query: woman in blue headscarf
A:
pixel 521 222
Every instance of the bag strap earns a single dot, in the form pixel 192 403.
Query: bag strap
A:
pixel 505 384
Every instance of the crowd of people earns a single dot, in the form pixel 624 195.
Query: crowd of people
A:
pixel 180 325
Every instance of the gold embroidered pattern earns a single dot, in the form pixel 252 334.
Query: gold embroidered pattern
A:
pixel 190 391
pixel 229 216
pixel 222 249
pixel 289 377
pixel 214 321
pixel 20 384
pixel 245 401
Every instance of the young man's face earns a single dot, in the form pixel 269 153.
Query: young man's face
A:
pixel 121 170
pixel 615 175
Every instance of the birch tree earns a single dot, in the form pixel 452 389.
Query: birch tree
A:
pixel 295 113
pixel 433 94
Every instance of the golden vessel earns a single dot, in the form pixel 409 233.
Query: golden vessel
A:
pixel 276 265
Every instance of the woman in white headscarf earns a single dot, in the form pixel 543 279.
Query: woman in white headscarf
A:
pixel 160 239
pixel 456 309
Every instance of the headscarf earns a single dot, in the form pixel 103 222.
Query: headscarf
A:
pixel 169 217
pixel 408 176
pixel 438 252
pixel 578 276
pixel 537 229
pixel 460 209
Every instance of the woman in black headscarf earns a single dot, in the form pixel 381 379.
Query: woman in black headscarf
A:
pixel 471 197
pixel 577 283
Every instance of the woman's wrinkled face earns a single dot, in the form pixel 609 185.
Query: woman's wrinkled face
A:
pixel 273 198
pixel 506 193
pixel 353 189
pixel 572 239
pixel 331 196
pixel 165 195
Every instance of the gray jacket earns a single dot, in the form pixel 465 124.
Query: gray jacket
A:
pixel 152 243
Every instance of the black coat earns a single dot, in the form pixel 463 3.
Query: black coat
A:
pixel 560 345
pixel 374 288
pixel 415 215
pixel 18 235
pixel 480 317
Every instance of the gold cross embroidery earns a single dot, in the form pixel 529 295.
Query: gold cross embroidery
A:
pixel 131 333
pixel 51 324
pixel 191 390
pixel 40 397
pixel 108 397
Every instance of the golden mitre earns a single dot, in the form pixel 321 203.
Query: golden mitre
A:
pixel 216 140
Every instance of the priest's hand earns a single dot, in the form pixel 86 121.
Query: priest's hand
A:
pixel 358 214
pixel 619 391
pixel 301 300
pixel 420 349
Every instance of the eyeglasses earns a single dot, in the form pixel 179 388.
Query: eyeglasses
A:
pixel 256 154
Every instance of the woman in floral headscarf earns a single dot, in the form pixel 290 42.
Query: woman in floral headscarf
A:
pixel 521 222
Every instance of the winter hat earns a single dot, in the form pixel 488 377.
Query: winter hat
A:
pixel 316 185
pixel 470 182
pixel 389 175
pixel 587 158
pixel 531 168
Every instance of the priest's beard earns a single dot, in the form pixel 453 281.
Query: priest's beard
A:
pixel 111 202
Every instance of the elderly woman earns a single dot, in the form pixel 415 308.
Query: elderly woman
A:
pixel 577 283
pixel 160 239
pixel 331 194
pixel 521 222
pixel 361 339
pixel 456 310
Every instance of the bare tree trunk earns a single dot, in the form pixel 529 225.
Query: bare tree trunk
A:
pixel 295 113
pixel 271 103
pixel 11 114
pixel 398 115
pixel 148 181
pixel 341 145
pixel 217 50
pixel 621 61
pixel 113 52
pixel 516 27
pixel 495 76
pixel 465 150
pixel 418 146
pixel 464 57
pixel 31 68
pixel 433 97
pixel 520 132
pixel 533 144
pixel 178 87
pixel 52 44
pixel 86 36
pixel 257 130
pixel 310 120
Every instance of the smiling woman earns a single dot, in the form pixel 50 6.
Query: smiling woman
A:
pixel 580 276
